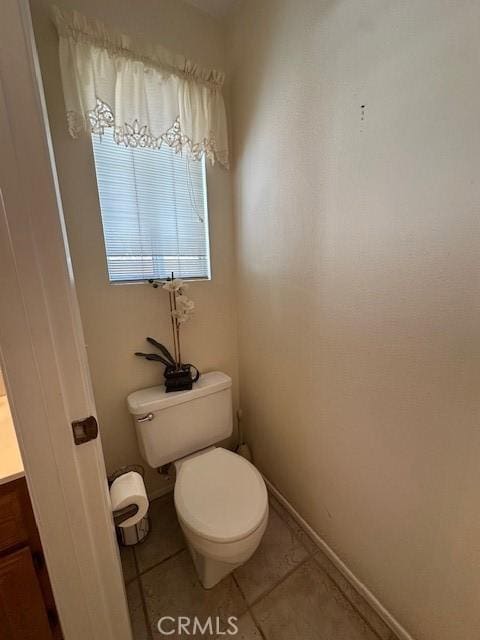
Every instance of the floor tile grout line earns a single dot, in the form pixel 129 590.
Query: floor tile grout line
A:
pixel 312 554
pixel 285 577
pixel 234 577
pixel 312 551
pixel 145 610
pixel 249 610
pixel 142 597
pixel 282 579
pixel 257 624
pixel 269 591
pixel 352 605
pixel 279 514
pixel 157 564
pixel 160 498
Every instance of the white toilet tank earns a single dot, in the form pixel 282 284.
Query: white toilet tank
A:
pixel 172 425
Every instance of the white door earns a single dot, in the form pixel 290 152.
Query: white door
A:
pixel 43 355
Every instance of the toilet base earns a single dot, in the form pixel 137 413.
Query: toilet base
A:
pixel 210 571
pixel 214 561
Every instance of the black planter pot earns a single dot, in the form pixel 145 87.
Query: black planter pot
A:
pixel 180 378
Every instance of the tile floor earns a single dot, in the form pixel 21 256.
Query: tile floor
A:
pixel 288 590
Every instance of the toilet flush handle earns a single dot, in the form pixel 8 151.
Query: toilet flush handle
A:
pixel 146 418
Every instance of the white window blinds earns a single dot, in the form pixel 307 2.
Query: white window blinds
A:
pixel 154 212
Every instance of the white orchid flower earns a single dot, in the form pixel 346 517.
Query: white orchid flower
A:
pixel 184 303
pixel 181 316
pixel 174 285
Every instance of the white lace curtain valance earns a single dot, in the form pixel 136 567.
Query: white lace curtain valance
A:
pixel 146 95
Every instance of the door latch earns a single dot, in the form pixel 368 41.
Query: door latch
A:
pixel 84 430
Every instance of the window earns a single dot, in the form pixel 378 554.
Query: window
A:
pixel 154 212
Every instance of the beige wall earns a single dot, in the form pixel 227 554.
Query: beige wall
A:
pixel 357 244
pixel 117 318
pixel 358 260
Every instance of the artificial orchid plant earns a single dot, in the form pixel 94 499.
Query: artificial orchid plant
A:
pixel 178 375
pixel 181 310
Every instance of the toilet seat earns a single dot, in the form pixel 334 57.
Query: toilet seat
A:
pixel 220 496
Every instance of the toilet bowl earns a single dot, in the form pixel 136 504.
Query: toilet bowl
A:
pixel 220 498
pixel 222 506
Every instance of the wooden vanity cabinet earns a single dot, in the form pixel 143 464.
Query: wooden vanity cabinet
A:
pixel 27 607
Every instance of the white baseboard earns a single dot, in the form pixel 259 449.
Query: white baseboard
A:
pixel 357 584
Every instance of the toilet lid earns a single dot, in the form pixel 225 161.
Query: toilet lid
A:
pixel 220 496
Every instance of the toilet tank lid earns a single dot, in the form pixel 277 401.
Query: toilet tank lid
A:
pixel 155 398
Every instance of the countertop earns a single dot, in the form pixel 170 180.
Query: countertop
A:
pixel 11 465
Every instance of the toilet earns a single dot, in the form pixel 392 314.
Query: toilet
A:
pixel 220 498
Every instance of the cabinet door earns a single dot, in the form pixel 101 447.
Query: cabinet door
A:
pixel 22 610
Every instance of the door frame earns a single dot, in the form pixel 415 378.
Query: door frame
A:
pixel 43 356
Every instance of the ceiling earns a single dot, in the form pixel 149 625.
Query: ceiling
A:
pixel 216 8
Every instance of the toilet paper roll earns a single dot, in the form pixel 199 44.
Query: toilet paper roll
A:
pixel 126 490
